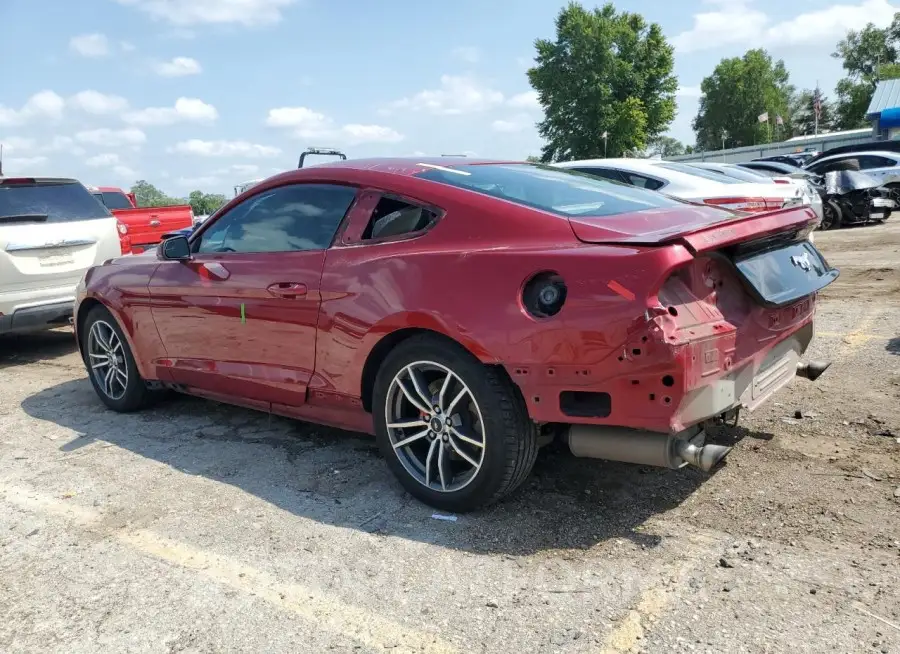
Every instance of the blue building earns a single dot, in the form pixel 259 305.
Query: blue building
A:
pixel 884 110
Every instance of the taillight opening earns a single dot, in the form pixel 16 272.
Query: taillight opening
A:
pixel 749 205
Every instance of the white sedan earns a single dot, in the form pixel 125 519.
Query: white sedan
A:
pixel 682 180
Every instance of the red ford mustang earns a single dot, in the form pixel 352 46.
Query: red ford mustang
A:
pixel 465 313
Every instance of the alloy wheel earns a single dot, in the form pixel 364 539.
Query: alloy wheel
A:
pixel 435 426
pixel 106 358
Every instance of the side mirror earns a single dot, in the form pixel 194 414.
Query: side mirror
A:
pixel 176 248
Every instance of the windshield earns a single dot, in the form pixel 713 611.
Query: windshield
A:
pixel 59 201
pixel 557 190
pixel 688 169
pixel 114 200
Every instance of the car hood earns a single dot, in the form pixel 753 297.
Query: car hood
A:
pixel 659 226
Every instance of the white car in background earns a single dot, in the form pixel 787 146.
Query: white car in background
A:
pixel 799 186
pixel 883 166
pixel 681 180
pixel 51 231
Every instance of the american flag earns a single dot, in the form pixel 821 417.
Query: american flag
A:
pixel 817 102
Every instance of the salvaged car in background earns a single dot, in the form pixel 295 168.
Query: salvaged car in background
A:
pixel 466 312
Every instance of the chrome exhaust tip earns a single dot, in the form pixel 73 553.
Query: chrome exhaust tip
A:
pixel 705 457
pixel 812 370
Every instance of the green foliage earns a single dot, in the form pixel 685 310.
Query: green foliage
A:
pixel 803 115
pixel 148 195
pixel 604 72
pixel 532 159
pixel 204 204
pixel 868 56
pixel 666 146
pixel 739 90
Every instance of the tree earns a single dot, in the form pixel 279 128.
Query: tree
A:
pixel 606 72
pixel 740 90
pixel 532 159
pixel 666 146
pixel 148 195
pixel 803 113
pixel 866 55
pixel 204 204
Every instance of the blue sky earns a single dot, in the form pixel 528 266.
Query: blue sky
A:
pixel 206 93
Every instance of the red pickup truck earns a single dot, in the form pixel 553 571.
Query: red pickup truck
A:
pixel 141 228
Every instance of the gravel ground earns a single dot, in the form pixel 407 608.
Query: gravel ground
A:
pixel 196 527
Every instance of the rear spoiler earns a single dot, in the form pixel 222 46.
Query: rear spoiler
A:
pixel 752 227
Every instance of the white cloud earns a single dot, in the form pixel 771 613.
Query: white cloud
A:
pixel 355 134
pixel 112 137
pixel 94 102
pixel 240 169
pixel 468 54
pixel 90 45
pixel 308 124
pixel 124 171
pixel 41 105
pixel 185 110
pixel 305 122
pixel 201 181
pixel 734 22
pixel 689 92
pixel 224 149
pixel 514 124
pixel 196 12
pixel 17 144
pixel 456 95
pixel 178 67
pixel 13 165
pixel 526 100
pixel 103 160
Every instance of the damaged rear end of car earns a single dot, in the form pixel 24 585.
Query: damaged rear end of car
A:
pixel 726 327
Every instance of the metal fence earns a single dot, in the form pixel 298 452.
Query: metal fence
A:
pixel 746 153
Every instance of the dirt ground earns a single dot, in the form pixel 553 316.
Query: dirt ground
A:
pixel 197 527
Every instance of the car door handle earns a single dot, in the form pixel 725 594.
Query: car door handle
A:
pixel 154 223
pixel 287 290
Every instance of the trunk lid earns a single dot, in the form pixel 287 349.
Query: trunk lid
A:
pixel 700 228
pixel 769 252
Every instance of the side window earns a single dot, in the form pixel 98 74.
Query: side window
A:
pixel 285 219
pixel 605 173
pixel 394 217
pixel 868 161
pixel 642 182
pixel 819 168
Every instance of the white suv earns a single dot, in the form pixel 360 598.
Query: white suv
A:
pixel 51 231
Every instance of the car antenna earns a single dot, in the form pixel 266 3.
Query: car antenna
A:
pixel 1 160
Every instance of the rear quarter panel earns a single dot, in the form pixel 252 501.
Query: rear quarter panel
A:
pixel 463 279
pixel 146 226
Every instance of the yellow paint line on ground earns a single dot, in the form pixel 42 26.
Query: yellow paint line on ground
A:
pixel 653 602
pixel 312 605
pixel 856 336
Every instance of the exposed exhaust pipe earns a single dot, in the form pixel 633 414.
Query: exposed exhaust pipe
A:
pixel 645 447
pixel 812 370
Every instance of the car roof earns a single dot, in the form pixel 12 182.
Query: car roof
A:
pixel 406 166
pixel 37 178
pixel 851 155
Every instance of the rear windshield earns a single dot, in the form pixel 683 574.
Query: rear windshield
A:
pixel 114 200
pixel 561 191
pixel 688 169
pixel 51 202
pixel 737 173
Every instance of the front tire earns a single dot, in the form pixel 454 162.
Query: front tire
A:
pixel 831 215
pixel 455 433
pixel 110 364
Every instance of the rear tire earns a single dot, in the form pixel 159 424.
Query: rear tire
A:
pixel 831 215
pixel 474 444
pixel 111 366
